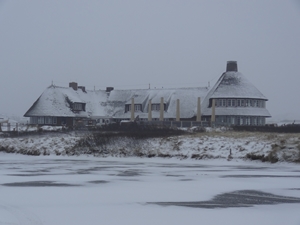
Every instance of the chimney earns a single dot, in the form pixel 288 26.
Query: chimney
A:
pixel 73 85
pixel 82 88
pixel 231 66
pixel 109 89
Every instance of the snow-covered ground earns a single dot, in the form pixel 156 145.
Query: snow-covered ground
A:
pixel 284 147
pixel 90 190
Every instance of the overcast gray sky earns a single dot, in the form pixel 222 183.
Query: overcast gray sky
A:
pixel 129 44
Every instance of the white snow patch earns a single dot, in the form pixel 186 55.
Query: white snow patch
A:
pixel 221 144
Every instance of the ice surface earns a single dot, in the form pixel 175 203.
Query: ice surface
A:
pixel 116 191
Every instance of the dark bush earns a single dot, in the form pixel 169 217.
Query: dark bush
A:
pixel 272 158
pixel 253 156
pixel 290 128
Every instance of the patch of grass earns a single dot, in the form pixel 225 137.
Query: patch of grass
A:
pixel 253 156
pixel 271 157
pixel 201 156
pixel 164 155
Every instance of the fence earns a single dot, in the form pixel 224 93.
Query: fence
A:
pixel 9 127
pixel 181 124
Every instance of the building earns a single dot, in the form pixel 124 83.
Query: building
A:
pixel 233 100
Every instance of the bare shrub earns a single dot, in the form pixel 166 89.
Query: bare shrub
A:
pixel 272 156
pixel 253 156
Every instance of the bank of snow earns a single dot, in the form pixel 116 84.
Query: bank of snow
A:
pixel 227 145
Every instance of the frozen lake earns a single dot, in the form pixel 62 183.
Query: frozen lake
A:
pixel 89 190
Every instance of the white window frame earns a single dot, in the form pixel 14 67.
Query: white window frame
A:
pixel 137 107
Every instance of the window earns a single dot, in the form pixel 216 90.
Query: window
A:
pixel 40 120
pixel 259 121
pixel 137 107
pixel 54 120
pixel 247 102
pixel 255 103
pixel 48 120
pixel 241 121
pixel 220 119
pixel 247 120
pixel 33 120
pixel 239 103
pixel 261 103
pixel 254 121
pixel 127 108
pixel 228 119
pixel 233 102
pixel 77 106
pixel 233 120
pixel 229 102
pixel 155 107
pixel 224 102
pixel 242 102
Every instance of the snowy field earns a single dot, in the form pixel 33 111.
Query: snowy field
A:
pixel 90 190
pixel 284 147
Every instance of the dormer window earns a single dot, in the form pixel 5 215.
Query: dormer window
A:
pixel 137 108
pixel 78 106
pixel 156 107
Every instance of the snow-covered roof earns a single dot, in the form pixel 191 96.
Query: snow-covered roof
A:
pixel 233 84
pixel 188 101
pixel 55 102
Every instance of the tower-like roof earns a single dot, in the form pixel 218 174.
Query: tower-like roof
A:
pixel 233 84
